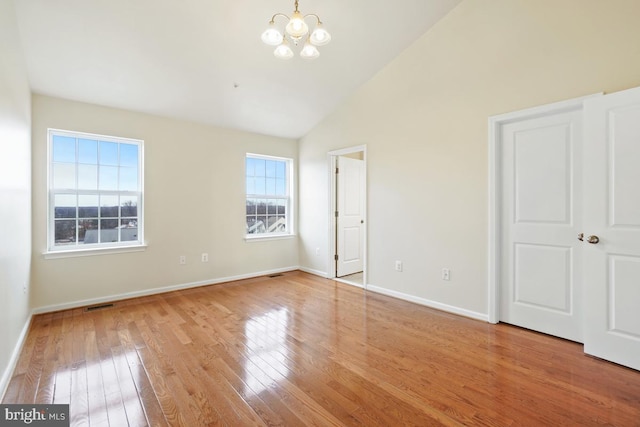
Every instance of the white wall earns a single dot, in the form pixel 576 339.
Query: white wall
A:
pixel 194 203
pixel 424 120
pixel 15 190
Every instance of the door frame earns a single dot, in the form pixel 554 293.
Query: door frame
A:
pixel 332 161
pixel 494 238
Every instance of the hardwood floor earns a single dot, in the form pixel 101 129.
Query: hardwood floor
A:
pixel 299 350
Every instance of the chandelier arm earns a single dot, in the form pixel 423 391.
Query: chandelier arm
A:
pixel 315 16
pixel 276 15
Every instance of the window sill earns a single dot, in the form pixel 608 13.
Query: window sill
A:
pixel 93 251
pixel 252 239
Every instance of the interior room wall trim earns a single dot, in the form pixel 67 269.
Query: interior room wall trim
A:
pixel 322 274
pixel 155 291
pixel 13 361
pixel 433 304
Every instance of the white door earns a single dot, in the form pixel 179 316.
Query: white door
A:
pixel 540 261
pixel 612 214
pixel 350 217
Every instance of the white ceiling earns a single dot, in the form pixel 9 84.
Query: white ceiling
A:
pixel 183 58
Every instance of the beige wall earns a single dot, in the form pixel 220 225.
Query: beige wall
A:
pixel 15 190
pixel 194 203
pixel 424 121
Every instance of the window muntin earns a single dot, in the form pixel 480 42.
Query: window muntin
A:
pixel 95 191
pixel 268 196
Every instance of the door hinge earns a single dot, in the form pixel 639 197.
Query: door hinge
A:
pixel 336 214
pixel 335 257
pixel 337 171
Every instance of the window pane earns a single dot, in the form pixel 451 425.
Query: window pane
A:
pixel 271 186
pixel 109 206
pixel 88 206
pixel 87 177
pixel 261 207
pixel 108 178
pixel 88 151
pixel 250 166
pixel 251 185
pixel 64 206
pixel 281 188
pixel 88 231
pixel 270 168
pixel 270 223
pixel 261 224
pixel 129 206
pixel 282 224
pixel 128 229
pixel 108 153
pixel 281 168
pixel 282 207
pixel 129 155
pixel 259 163
pixel 64 149
pixel 272 206
pixel 64 176
pixel 129 179
pixel 108 230
pixel 251 222
pixel 260 186
pixel 251 207
pixel 65 232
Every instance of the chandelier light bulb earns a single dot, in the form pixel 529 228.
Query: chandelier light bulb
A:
pixel 283 51
pixel 296 27
pixel 320 36
pixel 271 35
pixel 309 51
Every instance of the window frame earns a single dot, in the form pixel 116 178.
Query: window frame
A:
pixel 289 204
pixel 77 249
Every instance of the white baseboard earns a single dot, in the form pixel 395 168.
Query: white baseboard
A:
pixel 13 361
pixel 349 282
pixel 322 274
pixel 433 304
pixel 154 291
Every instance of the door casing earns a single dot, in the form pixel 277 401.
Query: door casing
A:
pixel 331 232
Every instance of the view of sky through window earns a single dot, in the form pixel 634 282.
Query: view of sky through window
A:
pixel 95 190
pixel 267 191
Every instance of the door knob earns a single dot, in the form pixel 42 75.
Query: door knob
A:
pixel 593 239
pixel 581 237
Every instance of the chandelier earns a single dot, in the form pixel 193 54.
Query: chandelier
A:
pixel 297 31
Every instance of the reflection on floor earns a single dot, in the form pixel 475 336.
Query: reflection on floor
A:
pixel 300 350
pixel 354 279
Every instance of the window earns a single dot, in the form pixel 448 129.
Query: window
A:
pixel 268 182
pixel 95 191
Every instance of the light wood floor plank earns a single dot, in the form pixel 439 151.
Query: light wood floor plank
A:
pixel 298 350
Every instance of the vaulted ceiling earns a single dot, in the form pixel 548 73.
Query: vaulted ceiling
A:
pixel 203 60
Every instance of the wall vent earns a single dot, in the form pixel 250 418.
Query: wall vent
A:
pixel 99 307
pixel 275 275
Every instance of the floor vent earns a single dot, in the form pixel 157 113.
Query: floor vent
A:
pixel 275 275
pixel 98 307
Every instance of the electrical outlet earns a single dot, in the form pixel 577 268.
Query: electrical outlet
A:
pixel 183 259
pixel 205 257
pixel 317 251
pixel 24 288
pixel 398 265
pixel 446 274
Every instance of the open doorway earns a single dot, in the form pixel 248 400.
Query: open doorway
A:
pixel 347 216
